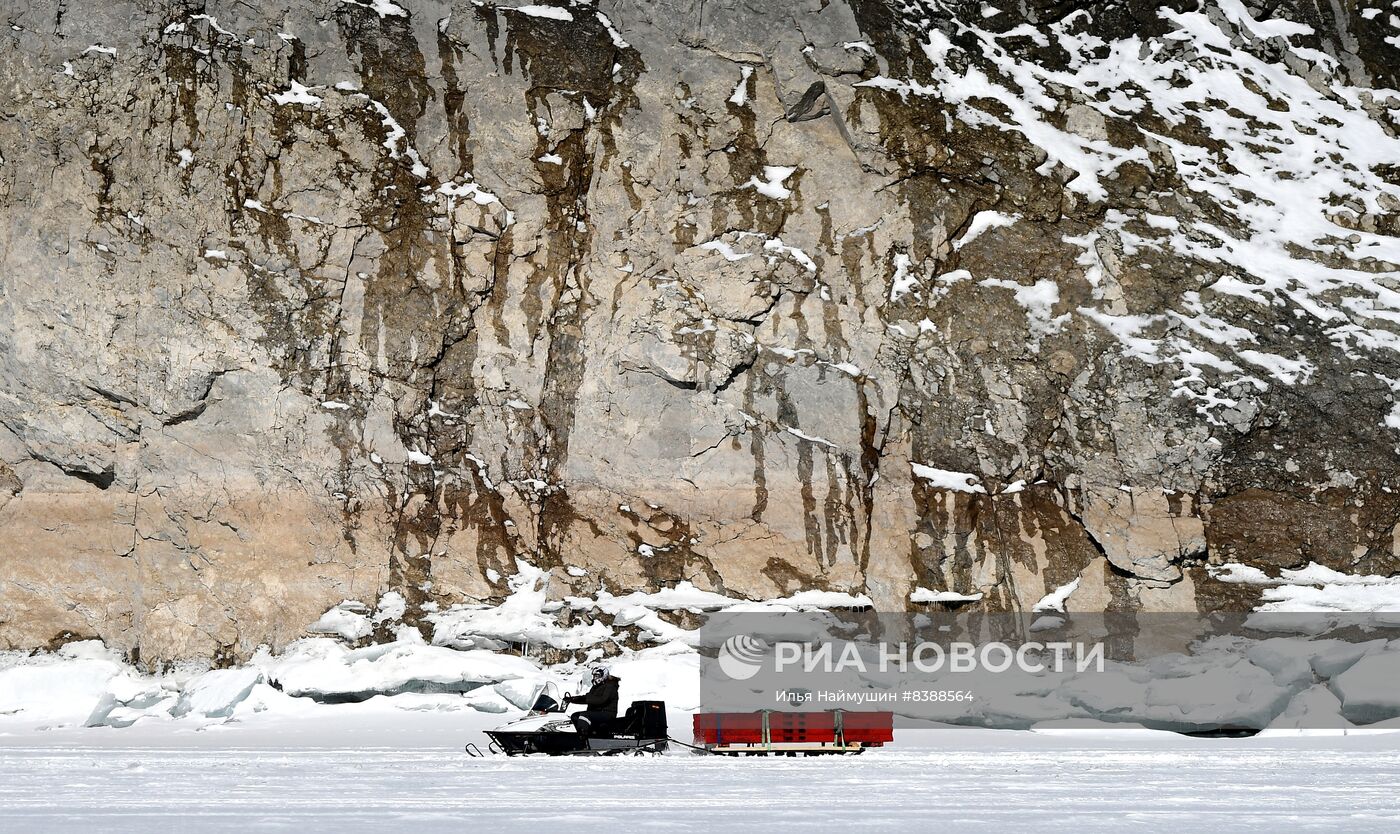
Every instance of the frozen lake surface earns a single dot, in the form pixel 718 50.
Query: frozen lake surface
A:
pixel 1067 781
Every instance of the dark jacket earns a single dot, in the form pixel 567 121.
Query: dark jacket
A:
pixel 601 698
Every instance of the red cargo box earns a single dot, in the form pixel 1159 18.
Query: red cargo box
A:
pixel 871 728
pixel 802 726
pixel 729 728
pixel 802 720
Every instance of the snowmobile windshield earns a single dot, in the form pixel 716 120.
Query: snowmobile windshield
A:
pixel 547 699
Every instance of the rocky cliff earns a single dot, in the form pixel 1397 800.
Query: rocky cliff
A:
pixel 306 300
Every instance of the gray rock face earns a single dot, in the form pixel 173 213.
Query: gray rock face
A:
pixel 311 300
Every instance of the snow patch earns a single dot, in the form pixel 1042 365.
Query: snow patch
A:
pixel 547 12
pixel 521 618
pixel 771 185
pixel 348 621
pixel 1038 300
pixel 468 189
pixel 396 139
pixel 741 90
pixel 809 437
pixel 383 8
pixel 1056 599
pixel 725 250
pixel 982 222
pixel 612 33
pixel 904 281
pixel 1316 589
pixel 924 595
pixel 946 479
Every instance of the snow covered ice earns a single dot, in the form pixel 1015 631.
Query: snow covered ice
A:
pixel 380 772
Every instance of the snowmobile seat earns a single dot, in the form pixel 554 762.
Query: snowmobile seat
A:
pixel 643 719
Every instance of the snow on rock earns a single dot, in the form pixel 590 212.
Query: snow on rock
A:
pixel 641 609
pixel 519 619
pixel 348 620
pixel 924 595
pixel 383 8
pixel 772 183
pixel 725 250
pixel 397 141
pixel 613 33
pixel 1287 194
pixel 946 479
pixel 297 94
pixel 1056 599
pixel 1238 574
pixel 904 280
pixel 741 90
pixel 1317 589
pixel 684 595
pixel 810 438
pixel 468 189
pixel 983 222
pixel 391 607
pixel 826 600
pixel 776 245
pixel 1039 300
pixel 547 12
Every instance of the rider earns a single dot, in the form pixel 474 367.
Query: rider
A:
pixel 600 703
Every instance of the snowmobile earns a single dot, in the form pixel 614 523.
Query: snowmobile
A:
pixel 546 729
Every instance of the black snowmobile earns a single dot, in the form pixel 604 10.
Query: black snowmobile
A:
pixel 546 729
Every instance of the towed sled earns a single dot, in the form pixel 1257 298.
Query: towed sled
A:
pixel 774 733
pixel 547 730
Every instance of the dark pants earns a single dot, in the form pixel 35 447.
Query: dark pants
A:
pixel 592 722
